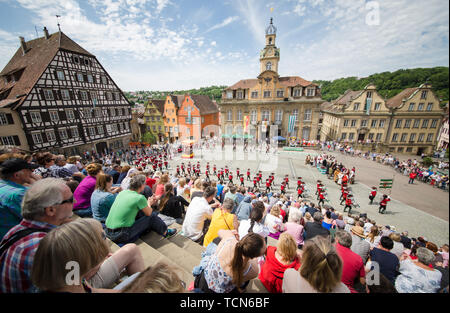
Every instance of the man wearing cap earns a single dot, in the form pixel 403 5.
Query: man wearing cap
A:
pixel 359 245
pixel 14 174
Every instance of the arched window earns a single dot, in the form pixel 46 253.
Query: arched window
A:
pixel 269 66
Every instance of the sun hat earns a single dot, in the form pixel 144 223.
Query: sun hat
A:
pixel 358 231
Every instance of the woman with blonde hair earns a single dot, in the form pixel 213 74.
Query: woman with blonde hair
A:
pixel 159 278
pixel 373 237
pixel 197 190
pixel 274 221
pixel 78 243
pixel 398 246
pixel 83 193
pixel 321 270
pixel 182 188
pixel 278 260
pixel 308 217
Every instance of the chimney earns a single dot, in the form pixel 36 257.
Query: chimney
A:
pixel 47 36
pixel 23 45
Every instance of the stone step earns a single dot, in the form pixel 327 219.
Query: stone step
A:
pixel 188 245
pixel 255 286
pixel 153 256
pixel 173 252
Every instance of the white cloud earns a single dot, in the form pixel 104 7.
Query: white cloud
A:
pixel 213 43
pixel 410 34
pixel 224 23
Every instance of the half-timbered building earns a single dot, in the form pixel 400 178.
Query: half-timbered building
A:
pixel 63 97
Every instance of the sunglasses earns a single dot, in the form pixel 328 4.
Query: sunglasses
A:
pixel 70 200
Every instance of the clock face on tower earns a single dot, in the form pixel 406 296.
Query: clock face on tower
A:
pixel 269 51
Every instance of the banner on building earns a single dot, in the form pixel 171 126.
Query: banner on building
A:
pixel 291 124
pixel 246 123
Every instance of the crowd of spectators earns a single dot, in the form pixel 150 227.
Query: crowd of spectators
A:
pixel 435 175
pixel 318 249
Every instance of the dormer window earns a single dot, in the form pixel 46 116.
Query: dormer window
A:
pixel 297 92
pixel 310 92
pixel 229 94
pixel 239 94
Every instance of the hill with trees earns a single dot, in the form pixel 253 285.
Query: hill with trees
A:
pixel 388 85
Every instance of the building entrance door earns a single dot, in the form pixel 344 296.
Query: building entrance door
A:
pixel 361 137
pixel 101 146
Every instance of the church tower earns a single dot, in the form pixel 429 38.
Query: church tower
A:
pixel 270 55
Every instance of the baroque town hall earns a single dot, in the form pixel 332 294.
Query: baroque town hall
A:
pixel 55 95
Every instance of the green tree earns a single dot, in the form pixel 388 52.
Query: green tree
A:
pixel 149 138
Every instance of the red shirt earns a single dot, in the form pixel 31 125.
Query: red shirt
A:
pixel 248 173
pixel 150 182
pixel 353 266
pixel 272 271
pixel 321 196
pixel 348 201
pixel 385 201
pixel 373 193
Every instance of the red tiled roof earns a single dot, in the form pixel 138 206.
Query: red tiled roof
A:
pixel 396 100
pixel 292 81
pixel 288 81
pixel 204 104
pixel 244 84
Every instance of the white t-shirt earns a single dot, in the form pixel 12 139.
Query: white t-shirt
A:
pixel 197 212
pixel 258 228
pixel 71 167
pixel 271 222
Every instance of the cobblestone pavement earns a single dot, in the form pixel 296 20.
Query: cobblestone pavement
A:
pixel 419 208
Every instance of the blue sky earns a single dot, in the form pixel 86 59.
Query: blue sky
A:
pixel 183 44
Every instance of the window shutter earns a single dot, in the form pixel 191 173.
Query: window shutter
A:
pixel 72 58
pixel 59 94
pixel 94 78
pixel 42 94
pixel 75 76
pixel 89 95
pixel 54 74
pixel 71 95
pixel 16 140
pixel 55 95
pixel 85 77
pixel 9 118
pixel 79 95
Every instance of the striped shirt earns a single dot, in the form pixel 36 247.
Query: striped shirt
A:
pixel 17 261
pixel 11 195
